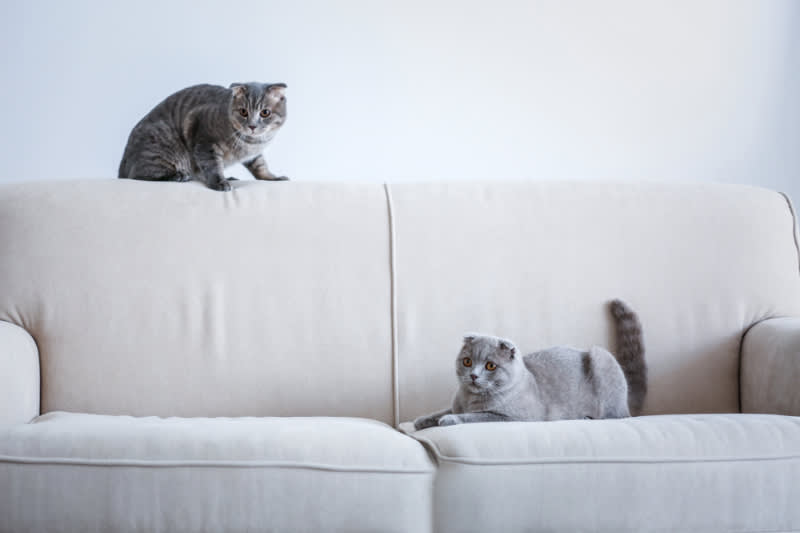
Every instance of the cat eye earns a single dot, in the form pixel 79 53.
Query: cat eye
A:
pixel 243 112
pixel 467 361
pixel 265 113
pixel 490 366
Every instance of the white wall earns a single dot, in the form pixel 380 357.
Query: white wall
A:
pixel 416 89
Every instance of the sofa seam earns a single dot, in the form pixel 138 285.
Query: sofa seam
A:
pixel 616 461
pixel 765 530
pixel 794 226
pixel 393 305
pixel 430 447
pixel 154 463
pixel 440 457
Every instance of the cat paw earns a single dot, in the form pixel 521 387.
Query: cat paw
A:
pixel 425 422
pixel 182 176
pixel 221 185
pixel 449 420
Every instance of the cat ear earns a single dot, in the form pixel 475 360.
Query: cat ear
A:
pixel 238 88
pixel 469 338
pixel 506 346
pixel 277 90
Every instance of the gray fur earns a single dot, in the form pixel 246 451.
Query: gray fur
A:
pixel 199 131
pixel 496 384
pixel 630 353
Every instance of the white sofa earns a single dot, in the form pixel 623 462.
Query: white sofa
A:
pixel 177 359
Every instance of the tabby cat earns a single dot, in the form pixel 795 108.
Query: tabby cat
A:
pixel 199 131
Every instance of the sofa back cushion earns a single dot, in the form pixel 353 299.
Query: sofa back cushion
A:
pixel 173 299
pixel 537 262
pixel 277 298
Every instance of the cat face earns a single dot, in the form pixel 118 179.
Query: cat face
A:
pixel 258 109
pixel 486 364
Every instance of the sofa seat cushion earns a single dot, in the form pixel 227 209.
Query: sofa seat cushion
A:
pixel 211 474
pixel 672 472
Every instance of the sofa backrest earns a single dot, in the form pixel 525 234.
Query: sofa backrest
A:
pixel 351 299
pixel 173 299
pixel 537 262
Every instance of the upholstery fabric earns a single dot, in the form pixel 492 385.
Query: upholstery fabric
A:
pixel 655 473
pixel 19 375
pixel 76 472
pixel 537 262
pixel 771 367
pixel 170 299
pixel 175 300
pixel 278 300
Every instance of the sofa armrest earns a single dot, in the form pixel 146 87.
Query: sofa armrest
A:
pixel 19 375
pixel 770 367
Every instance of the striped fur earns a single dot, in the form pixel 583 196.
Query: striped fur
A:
pixel 630 353
pixel 199 131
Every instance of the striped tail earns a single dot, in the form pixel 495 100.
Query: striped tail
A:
pixel 630 353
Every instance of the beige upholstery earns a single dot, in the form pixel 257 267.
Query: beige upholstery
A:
pixel 172 299
pixel 653 473
pixel 771 367
pixel 347 303
pixel 19 375
pixel 536 262
pixel 118 473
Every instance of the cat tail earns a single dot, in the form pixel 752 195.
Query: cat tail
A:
pixel 630 353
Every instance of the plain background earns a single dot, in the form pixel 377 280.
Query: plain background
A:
pixel 395 90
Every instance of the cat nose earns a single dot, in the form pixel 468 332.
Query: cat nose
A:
pixel 473 376
pixel 252 128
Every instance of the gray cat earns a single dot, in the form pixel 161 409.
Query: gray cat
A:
pixel 199 131
pixel 558 383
